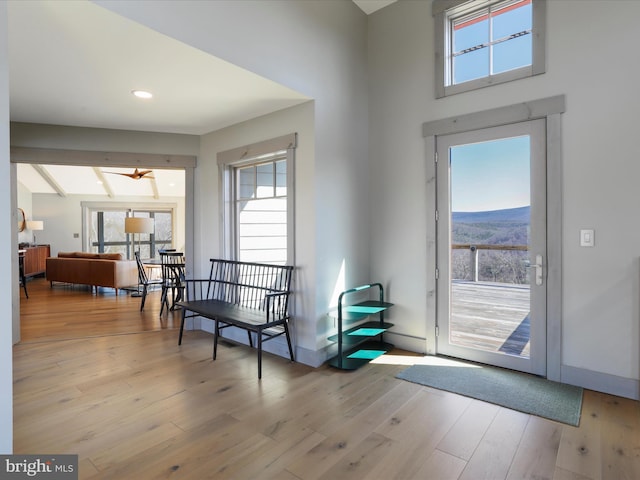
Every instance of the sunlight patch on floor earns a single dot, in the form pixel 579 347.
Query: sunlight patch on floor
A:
pixel 389 359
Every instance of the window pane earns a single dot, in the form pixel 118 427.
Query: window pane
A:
pixel 514 53
pixel 469 66
pixel 470 33
pixel 264 174
pixel 93 232
pixel 508 22
pixel 262 230
pixel 246 182
pixel 114 232
pixel 163 231
pixel 281 178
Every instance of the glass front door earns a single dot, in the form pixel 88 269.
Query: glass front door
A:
pixel 492 246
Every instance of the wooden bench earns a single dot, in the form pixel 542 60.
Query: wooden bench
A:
pixel 250 296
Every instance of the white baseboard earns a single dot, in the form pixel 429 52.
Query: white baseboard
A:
pixel 406 342
pixel 601 382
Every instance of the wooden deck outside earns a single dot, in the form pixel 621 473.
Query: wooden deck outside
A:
pixel 490 316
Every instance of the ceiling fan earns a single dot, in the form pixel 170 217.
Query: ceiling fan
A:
pixel 136 175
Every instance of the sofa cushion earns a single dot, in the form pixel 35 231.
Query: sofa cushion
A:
pixel 99 256
pixel 110 256
pixel 66 254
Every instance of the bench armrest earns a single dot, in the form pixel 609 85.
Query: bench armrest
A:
pixel 277 305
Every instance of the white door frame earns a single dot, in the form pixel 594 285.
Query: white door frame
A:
pixel 550 109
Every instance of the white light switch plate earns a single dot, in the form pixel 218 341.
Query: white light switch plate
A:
pixel 587 238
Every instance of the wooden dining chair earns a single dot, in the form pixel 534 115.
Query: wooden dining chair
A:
pixel 173 272
pixel 144 281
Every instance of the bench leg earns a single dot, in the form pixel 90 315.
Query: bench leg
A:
pixel 259 354
pixel 181 325
pixel 164 301
pixel 143 296
pixel 216 334
pixel 286 332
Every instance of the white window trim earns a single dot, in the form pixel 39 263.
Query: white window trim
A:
pixel 538 65
pixel 236 157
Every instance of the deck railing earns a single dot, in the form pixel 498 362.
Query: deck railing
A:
pixel 517 268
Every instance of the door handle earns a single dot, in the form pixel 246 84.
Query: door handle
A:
pixel 538 266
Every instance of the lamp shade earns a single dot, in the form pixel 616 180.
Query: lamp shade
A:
pixel 138 225
pixel 35 225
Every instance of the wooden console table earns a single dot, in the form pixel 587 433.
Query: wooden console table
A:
pixel 35 260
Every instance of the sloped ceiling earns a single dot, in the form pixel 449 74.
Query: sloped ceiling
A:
pixel 75 63
pixel 370 6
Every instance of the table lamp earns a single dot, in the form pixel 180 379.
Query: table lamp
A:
pixel 138 225
pixel 34 225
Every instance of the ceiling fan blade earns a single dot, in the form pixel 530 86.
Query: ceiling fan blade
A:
pixel 136 175
pixel 118 173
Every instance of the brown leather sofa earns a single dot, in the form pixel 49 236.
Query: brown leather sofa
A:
pixel 94 269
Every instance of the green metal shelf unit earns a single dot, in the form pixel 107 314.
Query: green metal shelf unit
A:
pixel 363 342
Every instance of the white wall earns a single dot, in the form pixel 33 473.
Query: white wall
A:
pixel 319 49
pixel 600 172
pixel 8 244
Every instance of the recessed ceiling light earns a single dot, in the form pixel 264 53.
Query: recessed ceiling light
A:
pixel 142 93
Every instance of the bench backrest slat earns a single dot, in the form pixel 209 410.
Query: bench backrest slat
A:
pixel 247 284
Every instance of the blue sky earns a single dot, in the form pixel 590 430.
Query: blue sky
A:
pixel 490 175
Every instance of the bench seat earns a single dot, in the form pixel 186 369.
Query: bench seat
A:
pixel 242 317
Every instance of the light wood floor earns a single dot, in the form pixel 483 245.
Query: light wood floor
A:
pixel 137 406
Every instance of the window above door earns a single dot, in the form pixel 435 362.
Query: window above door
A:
pixel 482 42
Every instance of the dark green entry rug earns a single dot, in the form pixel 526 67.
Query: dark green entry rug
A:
pixel 517 391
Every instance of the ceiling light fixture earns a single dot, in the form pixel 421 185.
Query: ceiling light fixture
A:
pixel 142 93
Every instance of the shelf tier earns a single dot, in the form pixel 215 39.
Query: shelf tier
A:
pixel 363 354
pixel 361 310
pixel 361 332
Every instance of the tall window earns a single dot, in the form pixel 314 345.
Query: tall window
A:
pixel 261 211
pixel 482 42
pixel 258 198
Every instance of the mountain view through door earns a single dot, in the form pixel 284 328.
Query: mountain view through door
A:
pixel 490 280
